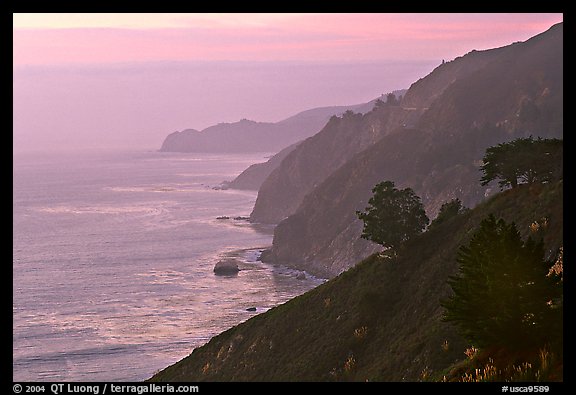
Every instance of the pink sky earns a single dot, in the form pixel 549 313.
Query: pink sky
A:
pixel 96 38
pixel 128 80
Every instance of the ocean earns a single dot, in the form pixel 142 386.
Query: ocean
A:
pixel 113 256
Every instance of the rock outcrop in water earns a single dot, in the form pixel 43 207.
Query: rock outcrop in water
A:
pixel 226 267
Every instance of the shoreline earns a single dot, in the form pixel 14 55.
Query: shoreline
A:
pixel 242 256
pixel 247 259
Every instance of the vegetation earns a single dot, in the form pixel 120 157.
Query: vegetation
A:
pixel 393 216
pixel 523 160
pixel 391 100
pixel 503 296
pixel 507 297
pixel 447 211
pixel 481 366
pixel 431 143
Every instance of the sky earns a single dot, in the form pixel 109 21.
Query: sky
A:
pixel 128 80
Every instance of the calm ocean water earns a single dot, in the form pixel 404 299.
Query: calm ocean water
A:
pixel 113 256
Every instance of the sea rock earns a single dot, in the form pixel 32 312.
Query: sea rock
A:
pixel 265 256
pixel 301 276
pixel 251 309
pixel 226 267
pixel 222 186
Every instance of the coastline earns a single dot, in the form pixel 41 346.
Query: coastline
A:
pixel 248 261
pixel 161 299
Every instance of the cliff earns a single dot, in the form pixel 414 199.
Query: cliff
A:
pixel 516 91
pixel 320 155
pixel 253 177
pixel 282 193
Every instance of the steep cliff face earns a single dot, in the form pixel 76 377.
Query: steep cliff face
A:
pixel 179 141
pixel 320 155
pixel 520 90
pixel 253 177
pixel 323 236
pixel 518 93
pixel 283 191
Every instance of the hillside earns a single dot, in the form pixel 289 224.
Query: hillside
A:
pixel 251 136
pixel 423 92
pixel 253 177
pixel 282 193
pixel 323 236
pixel 318 156
pixel 517 92
pixel 379 321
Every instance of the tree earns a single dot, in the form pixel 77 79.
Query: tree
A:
pixel 391 100
pixel 392 216
pixel 448 210
pixel 503 295
pixel 378 103
pixel 525 160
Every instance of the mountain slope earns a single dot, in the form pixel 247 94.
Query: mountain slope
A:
pixel 253 177
pixel 521 89
pixel 318 156
pixel 379 321
pixel 515 94
pixel 251 136
pixel 427 89
pixel 282 193
pixel 323 236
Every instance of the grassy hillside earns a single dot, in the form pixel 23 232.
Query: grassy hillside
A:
pixel 379 321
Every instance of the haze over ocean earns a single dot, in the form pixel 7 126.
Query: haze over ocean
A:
pixel 138 105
